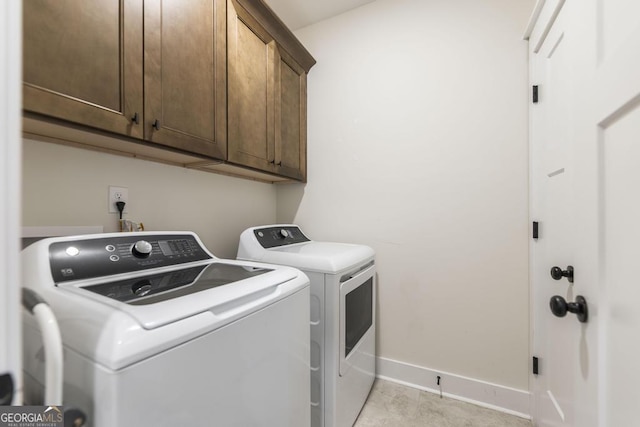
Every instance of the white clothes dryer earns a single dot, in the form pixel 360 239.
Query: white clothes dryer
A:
pixel 343 295
pixel 157 331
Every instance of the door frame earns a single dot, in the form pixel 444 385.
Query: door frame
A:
pixel 10 188
pixel 541 26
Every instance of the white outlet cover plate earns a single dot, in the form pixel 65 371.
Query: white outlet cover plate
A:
pixel 115 194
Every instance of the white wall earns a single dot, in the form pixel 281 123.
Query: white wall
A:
pixel 69 186
pixel 418 148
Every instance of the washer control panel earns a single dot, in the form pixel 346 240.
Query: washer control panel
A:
pixel 271 237
pixel 91 258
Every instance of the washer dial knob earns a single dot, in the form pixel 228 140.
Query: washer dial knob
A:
pixel 284 233
pixel 141 249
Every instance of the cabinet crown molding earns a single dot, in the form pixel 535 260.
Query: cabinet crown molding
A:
pixel 283 35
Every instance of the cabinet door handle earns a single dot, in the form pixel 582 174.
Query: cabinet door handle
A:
pixel 135 119
pixel 156 124
pixel 279 163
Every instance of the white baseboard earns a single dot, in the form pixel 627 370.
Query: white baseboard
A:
pixel 481 393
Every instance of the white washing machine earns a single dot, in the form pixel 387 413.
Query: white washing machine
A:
pixel 159 332
pixel 343 295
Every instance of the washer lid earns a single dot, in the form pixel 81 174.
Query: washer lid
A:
pixel 116 334
pixel 167 285
pixel 324 257
pixel 161 298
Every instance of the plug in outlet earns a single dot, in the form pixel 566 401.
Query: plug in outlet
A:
pixel 118 194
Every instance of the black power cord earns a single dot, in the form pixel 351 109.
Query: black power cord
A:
pixel 120 206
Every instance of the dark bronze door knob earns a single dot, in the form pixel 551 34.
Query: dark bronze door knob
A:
pixel 559 307
pixel 557 273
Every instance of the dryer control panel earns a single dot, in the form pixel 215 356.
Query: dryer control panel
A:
pixel 271 237
pixel 99 257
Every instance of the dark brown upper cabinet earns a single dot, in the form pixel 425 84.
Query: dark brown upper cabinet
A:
pixel 82 62
pixel 216 85
pixel 267 75
pixel 185 75
pixel 291 118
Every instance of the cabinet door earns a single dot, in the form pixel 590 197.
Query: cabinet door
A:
pixel 291 118
pixel 185 75
pixel 251 102
pixel 83 62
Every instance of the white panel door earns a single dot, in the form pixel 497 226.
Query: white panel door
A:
pixel 597 361
pixel 10 110
pixel 555 340
pixel 617 131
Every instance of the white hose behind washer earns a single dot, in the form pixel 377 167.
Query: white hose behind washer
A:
pixel 52 342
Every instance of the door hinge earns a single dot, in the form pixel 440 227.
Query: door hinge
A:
pixel 534 231
pixel 535 94
pixel 536 369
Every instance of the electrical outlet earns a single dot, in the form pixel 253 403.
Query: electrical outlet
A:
pixel 118 194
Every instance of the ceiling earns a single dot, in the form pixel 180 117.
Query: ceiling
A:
pixel 300 13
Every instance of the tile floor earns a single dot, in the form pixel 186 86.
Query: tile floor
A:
pixel 394 405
